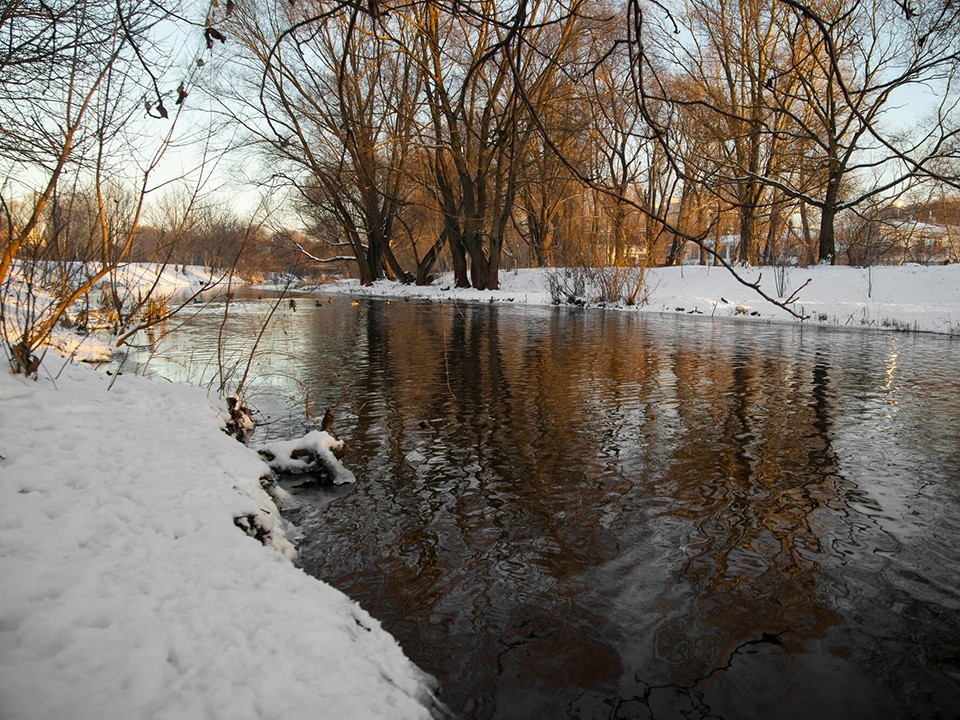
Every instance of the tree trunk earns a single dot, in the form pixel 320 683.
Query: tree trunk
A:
pixel 748 237
pixel 673 255
pixel 807 237
pixel 538 230
pixel 827 252
pixel 828 213
pixel 374 260
pixel 362 256
pixel 493 265
pixel 619 234
pixel 479 271
pixel 425 265
pixel 772 249
pixel 394 265
pixel 458 255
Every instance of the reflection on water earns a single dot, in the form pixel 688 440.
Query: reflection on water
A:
pixel 589 514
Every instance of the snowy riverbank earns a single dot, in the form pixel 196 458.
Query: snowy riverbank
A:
pixel 128 590
pixel 910 297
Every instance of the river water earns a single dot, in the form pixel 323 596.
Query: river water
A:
pixel 597 514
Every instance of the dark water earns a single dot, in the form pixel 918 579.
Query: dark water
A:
pixel 569 514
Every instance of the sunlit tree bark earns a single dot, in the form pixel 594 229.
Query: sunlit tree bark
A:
pixel 475 125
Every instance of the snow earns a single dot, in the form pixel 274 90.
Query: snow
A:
pixel 131 281
pixel 130 592
pixel 305 454
pixel 170 279
pixel 908 297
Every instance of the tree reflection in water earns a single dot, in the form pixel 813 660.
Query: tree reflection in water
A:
pixel 597 514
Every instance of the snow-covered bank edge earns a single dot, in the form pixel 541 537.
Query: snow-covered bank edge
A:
pixel 129 590
pixel 133 293
pixel 907 298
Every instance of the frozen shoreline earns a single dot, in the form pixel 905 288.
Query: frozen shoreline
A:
pixel 910 298
pixel 130 591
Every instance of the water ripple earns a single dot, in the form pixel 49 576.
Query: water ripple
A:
pixel 608 515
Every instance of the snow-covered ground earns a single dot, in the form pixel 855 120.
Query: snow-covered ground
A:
pixel 909 297
pixel 128 589
pixel 27 302
pixel 169 279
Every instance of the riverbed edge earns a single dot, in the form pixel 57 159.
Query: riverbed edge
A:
pixel 903 298
pixel 69 522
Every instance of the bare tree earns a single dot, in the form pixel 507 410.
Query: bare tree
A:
pixel 848 63
pixel 476 126
pixel 76 75
pixel 329 106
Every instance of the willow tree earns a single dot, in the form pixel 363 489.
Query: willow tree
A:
pixel 549 193
pixel 328 104
pixel 472 62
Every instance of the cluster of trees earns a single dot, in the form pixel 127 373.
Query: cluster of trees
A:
pixel 463 133
pixel 597 132
pixel 92 100
pixel 179 230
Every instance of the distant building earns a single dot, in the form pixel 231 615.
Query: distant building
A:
pixel 894 237
pixel 729 245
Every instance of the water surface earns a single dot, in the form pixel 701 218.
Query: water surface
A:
pixel 596 514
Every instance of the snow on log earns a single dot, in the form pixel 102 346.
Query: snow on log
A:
pixel 315 453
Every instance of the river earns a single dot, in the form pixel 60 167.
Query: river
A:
pixel 567 513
